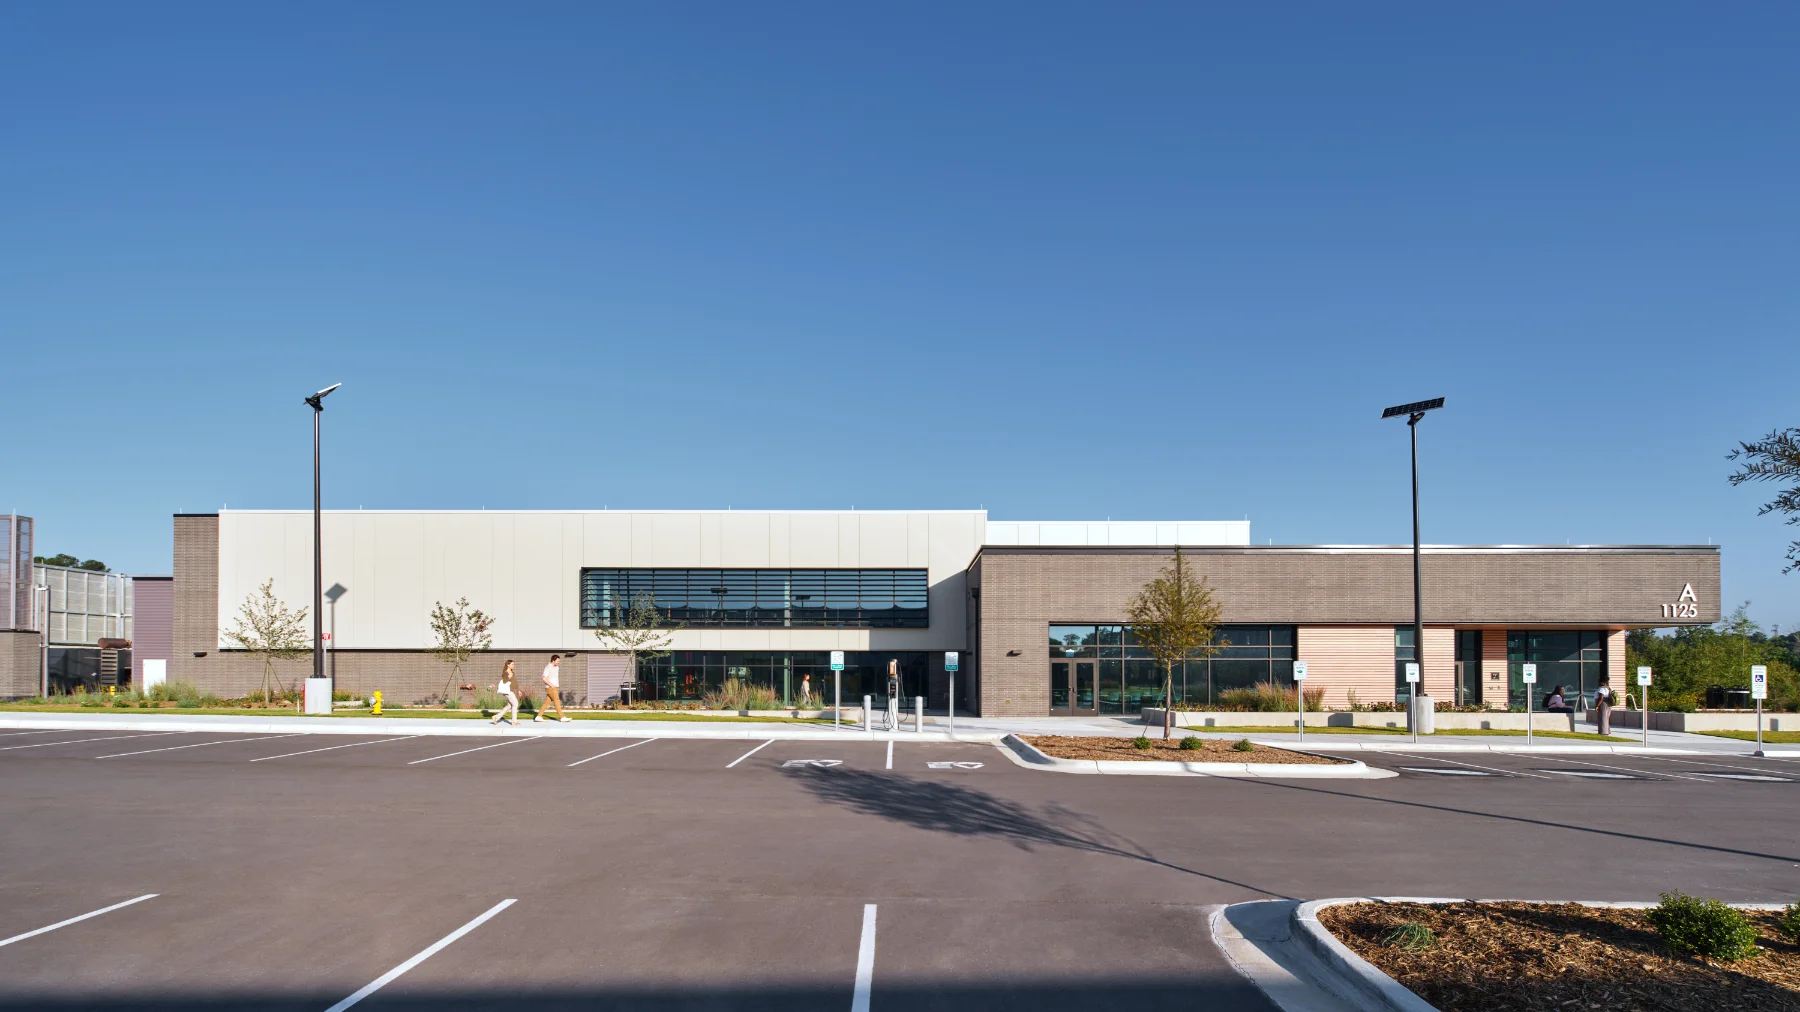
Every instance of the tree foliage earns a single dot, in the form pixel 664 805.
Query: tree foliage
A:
pixel 460 631
pixel 1693 659
pixel 1775 457
pixel 71 562
pixel 1174 617
pixel 638 634
pixel 271 630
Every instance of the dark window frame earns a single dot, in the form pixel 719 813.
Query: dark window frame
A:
pixel 743 598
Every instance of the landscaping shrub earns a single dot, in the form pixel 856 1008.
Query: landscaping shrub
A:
pixel 188 704
pixel 1411 936
pixel 1242 745
pixel 1703 927
pixel 122 703
pixel 453 703
pixel 176 691
pixel 1790 921
pixel 1192 743
pixel 1266 698
pixel 737 694
pixel 1140 742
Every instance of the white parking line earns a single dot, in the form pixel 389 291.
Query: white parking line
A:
pixel 748 754
pixel 1626 769
pixel 890 762
pixel 603 755
pixel 77 741
pixel 1722 766
pixel 387 978
pixel 466 751
pixel 221 741
pixel 72 920
pixel 865 962
pixel 328 748
pixel 15 734
pixel 1453 762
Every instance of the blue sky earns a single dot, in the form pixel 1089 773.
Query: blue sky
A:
pixel 1063 261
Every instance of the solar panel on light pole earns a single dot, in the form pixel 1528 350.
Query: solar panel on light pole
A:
pixel 1413 412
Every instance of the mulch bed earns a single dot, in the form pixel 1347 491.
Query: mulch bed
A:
pixel 1213 750
pixel 1491 957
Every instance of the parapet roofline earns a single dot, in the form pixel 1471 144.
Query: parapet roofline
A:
pixel 1353 549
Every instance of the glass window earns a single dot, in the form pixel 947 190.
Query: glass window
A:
pixel 1572 659
pixel 1071 641
pixel 750 598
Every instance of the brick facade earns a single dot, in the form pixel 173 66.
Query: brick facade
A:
pixel 1346 602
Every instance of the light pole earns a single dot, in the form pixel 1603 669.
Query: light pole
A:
pixel 317 402
pixel 44 637
pixel 1414 412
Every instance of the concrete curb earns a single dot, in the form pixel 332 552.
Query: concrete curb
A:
pixel 772 730
pixel 1401 746
pixel 1024 754
pixel 1379 990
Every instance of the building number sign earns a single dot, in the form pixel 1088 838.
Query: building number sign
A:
pixel 1685 606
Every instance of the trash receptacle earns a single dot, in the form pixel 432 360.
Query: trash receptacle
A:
pixel 1715 697
pixel 1737 699
pixel 1424 714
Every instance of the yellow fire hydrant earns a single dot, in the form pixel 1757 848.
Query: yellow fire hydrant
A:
pixel 375 703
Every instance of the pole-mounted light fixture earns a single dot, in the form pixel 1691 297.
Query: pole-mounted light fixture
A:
pixel 316 402
pixel 1413 412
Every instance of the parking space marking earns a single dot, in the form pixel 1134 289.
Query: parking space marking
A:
pixel 1590 774
pixel 466 751
pixel 1626 769
pixel 221 741
pixel 1453 762
pixel 865 962
pixel 823 764
pixel 1764 777
pixel 387 978
pixel 890 759
pixel 953 766
pixel 748 754
pixel 1718 766
pixel 77 741
pixel 1449 771
pixel 63 924
pixel 603 755
pixel 15 734
pixel 328 748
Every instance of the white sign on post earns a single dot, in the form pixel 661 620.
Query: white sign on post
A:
pixel 1759 681
pixel 1643 676
pixel 1299 671
pixel 837 660
pixel 1412 671
pixel 949 660
pixel 1530 674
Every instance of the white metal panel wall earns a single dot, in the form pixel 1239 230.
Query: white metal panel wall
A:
pixel 523 567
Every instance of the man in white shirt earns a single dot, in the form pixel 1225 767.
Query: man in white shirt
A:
pixel 552 689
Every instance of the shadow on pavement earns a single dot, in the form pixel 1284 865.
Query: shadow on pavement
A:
pixel 942 807
pixel 1617 834
pixel 1221 992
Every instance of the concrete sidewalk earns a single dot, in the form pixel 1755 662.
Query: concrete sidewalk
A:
pixel 476 727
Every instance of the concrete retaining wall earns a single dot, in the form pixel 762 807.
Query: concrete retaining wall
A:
pixel 1444 721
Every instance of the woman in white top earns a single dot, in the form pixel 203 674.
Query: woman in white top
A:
pixel 1603 704
pixel 510 690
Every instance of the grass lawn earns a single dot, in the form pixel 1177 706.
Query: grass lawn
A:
pixel 1446 733
pixel 1769 737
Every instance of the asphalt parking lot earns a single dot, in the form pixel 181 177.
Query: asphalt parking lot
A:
pixel 296 871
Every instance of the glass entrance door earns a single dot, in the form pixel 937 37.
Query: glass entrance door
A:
pixel 1072 689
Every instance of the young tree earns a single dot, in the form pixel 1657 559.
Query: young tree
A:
pixel 638 634
pixel 460 631
pixel 269 629
pixel 1175 618
pixel 1775 457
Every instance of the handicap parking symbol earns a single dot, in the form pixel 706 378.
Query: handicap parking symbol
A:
pixel 953 766
pixel 820 763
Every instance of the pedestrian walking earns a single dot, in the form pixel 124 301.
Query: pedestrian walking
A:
pixel 508 686
pixel 552 689
pixel 1603 704
pixel 806 692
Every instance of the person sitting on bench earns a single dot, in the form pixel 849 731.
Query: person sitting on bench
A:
pixel 1554 703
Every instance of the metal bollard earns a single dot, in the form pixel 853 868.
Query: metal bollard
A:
pixel 868 714
pixel 919 714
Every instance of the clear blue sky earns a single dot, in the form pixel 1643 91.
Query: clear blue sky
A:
pixel 1063 261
